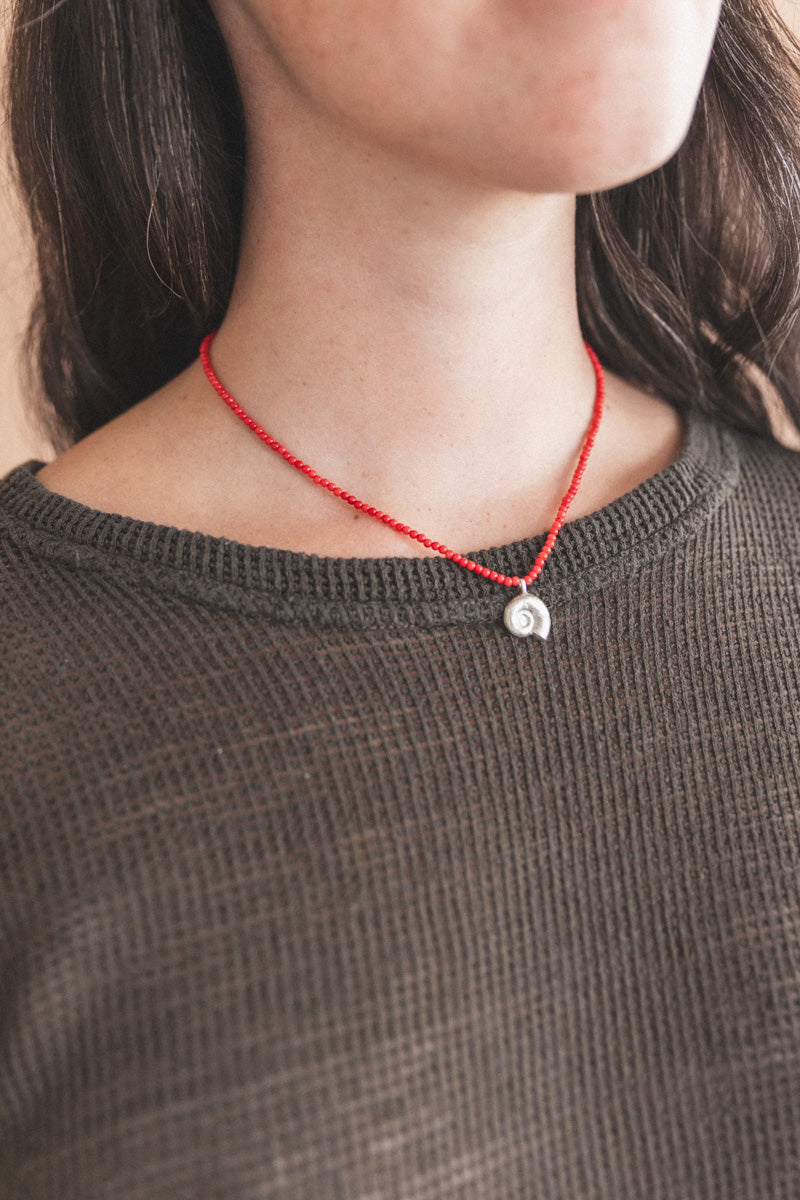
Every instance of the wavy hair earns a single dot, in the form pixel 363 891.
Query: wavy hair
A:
pixel 128 138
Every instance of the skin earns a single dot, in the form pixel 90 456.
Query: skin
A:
pixel 404 317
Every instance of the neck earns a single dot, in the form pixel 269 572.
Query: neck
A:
pixel 422 353
pixel 406 339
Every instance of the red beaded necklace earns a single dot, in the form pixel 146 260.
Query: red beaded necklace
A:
pixel 525 614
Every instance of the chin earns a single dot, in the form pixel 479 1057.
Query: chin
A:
pixel 640 162
pixel 606 176
pixel 612 160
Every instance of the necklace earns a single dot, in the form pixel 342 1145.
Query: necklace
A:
pixel 525 614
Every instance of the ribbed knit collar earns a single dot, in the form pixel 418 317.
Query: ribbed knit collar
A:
pixel 590 552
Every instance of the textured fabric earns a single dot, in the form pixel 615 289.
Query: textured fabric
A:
pixel 315 884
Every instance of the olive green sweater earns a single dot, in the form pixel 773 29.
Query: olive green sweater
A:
pixel 316 884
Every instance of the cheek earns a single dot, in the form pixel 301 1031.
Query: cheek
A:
pixel 395 69
pixel 351 47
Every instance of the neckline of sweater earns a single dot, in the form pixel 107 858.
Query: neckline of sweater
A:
pixel 607 544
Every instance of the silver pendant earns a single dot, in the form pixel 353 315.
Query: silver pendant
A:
pixel 526 615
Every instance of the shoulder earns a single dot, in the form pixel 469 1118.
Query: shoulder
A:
pixel 37 552
pixel 770 470
pixel 761 523
pixel 130 464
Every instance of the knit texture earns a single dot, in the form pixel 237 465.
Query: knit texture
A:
pixel 318 885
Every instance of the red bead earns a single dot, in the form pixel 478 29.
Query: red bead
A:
pixel 391 522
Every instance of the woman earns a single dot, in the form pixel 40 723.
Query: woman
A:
pixel 320 878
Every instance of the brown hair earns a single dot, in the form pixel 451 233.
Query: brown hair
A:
pixel 128 136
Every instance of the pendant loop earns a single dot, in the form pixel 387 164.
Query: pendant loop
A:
pixel 526 615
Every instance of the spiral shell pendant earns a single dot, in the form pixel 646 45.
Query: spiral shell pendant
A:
pixel 526 615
